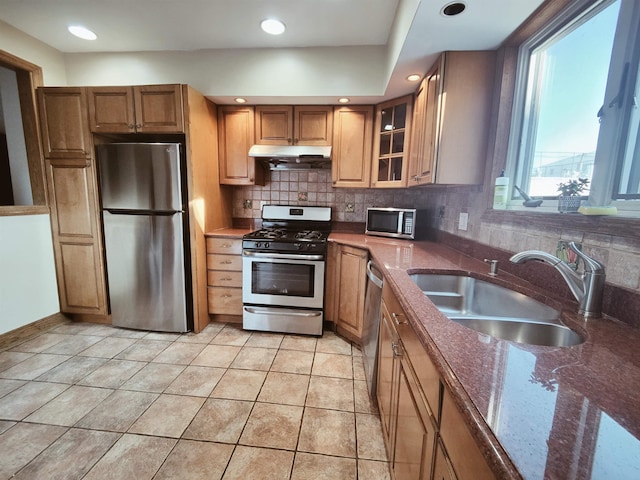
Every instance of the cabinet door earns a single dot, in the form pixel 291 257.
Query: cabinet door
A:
pixel 466 458
pixel 388 371
pixel 352 139
pixel 313 125
pixel 72 186
pixel 331 282
pixel 391 143
pixel 415 432
pixel 442 469
pixel 424 134
pixel 63 121
pixel 236 134
pixel 111 110
pixel 352 277
pixel 158 109
pixel 274 125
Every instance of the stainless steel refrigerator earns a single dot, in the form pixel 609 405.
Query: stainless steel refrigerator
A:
pixel 144 231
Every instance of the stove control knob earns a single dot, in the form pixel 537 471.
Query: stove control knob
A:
pixel 258 244
pixel 297 245
pixel 267 244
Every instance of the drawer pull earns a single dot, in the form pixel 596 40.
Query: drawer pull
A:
pixel 397 319
pixel 397 352
pixel 226 262
pixel 227 279
pixel 226 295
pixel 225 245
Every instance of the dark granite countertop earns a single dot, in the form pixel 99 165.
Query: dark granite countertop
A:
pixel 536 412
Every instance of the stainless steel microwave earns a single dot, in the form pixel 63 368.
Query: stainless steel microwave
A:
pixel 395 222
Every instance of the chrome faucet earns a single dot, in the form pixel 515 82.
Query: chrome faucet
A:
pixel 587 288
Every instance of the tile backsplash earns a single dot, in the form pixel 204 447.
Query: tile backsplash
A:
pixel 315 188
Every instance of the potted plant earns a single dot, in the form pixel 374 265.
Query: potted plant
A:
pixel 569 198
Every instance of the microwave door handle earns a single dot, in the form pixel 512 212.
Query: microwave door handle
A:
pixel 400 222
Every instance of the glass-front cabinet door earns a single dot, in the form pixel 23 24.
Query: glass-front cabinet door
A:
pixel 393 124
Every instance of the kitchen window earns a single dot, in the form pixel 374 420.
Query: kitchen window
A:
pixel 575 108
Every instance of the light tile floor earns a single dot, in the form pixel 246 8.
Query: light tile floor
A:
pixel 96 402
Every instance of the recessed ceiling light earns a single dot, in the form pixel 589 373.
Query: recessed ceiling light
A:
pixel 82 32
pixel 272 26
pixel 454 8
pixel 343 100
pixel 240 100
pixel 414 77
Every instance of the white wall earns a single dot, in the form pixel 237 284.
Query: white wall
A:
pixel 32 50
pixel 28 288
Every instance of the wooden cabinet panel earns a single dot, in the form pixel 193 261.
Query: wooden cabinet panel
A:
pixel 228 246
pixel 274 125
pixel 388 372
pixel 72 186
pixel 463 453
pixel 111 110
pixel 450 141
pixel 224 301
pixel 289 125
pixel 217 261
pixel 63 121
pixel 158 109
pixel 75 213
pixel 442 469
pixel 139 109
pixel 351 274
pixel 236 133
pixel 391 143
pixel 352 140
pixel 221 278
pixel 81 292
pixel 313 125
pixel 415 432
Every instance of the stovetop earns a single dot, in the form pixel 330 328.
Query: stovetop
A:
pixel 278 239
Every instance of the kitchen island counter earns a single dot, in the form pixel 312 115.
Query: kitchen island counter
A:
pixel 536 412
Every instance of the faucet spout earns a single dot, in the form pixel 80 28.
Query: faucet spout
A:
pixel 586 288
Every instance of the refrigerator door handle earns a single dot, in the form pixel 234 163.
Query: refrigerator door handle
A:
pixel 119 211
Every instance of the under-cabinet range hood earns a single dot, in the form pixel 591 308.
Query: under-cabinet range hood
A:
pixel 290 157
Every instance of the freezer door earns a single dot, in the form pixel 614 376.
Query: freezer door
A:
pixel 145 269
pixel 140 176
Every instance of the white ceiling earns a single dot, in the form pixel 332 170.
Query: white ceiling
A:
pixel 411 32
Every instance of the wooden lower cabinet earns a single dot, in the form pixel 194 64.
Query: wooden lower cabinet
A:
pixel 350 282
pixel 224 276
pixel 411 400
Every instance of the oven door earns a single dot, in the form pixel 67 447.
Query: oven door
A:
pixel 283 280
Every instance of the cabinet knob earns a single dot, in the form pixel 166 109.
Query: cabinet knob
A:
pixel 131 126
pixel 289 140
pixel 397 352
pixel 138 125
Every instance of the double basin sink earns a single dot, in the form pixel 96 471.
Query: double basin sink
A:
pixel 496 311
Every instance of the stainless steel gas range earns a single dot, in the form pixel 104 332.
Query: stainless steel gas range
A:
pixel 283 270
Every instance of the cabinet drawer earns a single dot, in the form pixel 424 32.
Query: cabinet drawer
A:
pixel 459 444
pixel 229 246
pixel 222 278
pixel 224 262
pixel 222 300
pixel 426 373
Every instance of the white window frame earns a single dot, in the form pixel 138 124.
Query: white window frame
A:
pixel 609 144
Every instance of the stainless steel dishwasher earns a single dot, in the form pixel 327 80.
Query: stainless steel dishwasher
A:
pixel 371 326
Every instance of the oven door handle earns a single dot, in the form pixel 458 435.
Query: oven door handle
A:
pixel 268 311
pixel 282 256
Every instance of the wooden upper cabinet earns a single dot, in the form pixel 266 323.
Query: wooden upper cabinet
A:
pixel 236 135
pixel 391 143
pixel 449 141
pixel 352 140
pixel 288 125
pixel 139 109
pixel 63 122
